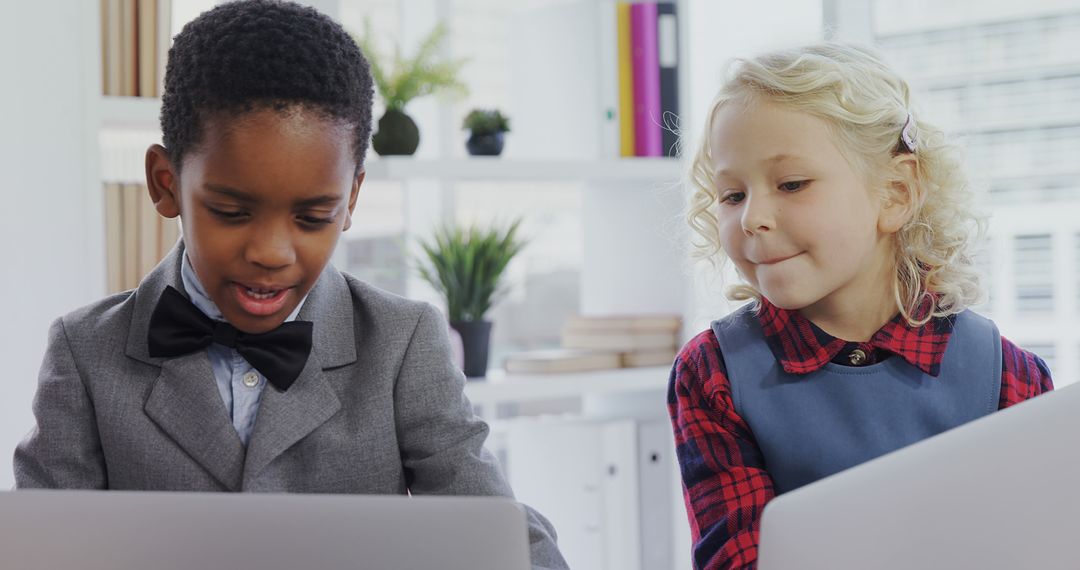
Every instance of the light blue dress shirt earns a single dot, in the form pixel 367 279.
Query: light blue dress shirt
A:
pixel 240 385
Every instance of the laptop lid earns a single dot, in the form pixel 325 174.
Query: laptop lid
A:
pixel 95 530
pixel 1002 492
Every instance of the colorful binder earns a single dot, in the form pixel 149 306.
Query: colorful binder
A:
pixel 626 82
pixel 667 36
pixel 646 80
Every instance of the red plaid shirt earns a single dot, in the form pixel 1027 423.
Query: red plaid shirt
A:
pixel 725 483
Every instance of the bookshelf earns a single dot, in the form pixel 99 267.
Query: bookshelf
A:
pixel 631 261
pixel 562 434
pixel 630 206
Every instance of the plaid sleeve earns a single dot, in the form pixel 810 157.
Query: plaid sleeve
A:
pixel 1023 375
pixel 725 485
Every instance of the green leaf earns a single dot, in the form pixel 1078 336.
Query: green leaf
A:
pixel 466 265
pixel 407 78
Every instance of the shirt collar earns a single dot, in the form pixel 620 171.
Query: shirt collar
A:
pixel 201 299
pixel 802 347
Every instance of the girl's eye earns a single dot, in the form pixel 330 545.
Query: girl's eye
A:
pixel 794 185
pixel 733 198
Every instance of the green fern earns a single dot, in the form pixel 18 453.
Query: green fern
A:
pixel 465 266
pixel 408 78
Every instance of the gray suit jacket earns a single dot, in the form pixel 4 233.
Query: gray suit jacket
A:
pixel 378 409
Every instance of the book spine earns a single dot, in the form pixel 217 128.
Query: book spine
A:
pixel 114 247
pixel 113 45
pixel 626 82
pixel 667 41
pixel 164 42
pixel 130 231
pixel 147 56
pixel 129 48
pixel 149 234
pixel 647 139
pixel 103 24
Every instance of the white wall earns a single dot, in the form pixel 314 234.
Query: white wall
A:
pixel 50 247
pixel 892 17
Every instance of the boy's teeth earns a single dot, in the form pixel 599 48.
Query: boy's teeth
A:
pixel 261 294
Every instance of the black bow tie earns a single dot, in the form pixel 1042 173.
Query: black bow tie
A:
pixel 178 327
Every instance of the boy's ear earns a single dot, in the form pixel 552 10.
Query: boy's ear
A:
pixel 352 198
pixel 162 182
pixel 903 196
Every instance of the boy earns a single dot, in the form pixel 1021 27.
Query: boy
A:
pixel 266 118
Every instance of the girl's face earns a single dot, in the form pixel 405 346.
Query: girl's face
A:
pixel 800 224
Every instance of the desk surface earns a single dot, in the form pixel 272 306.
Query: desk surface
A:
pixel 499 386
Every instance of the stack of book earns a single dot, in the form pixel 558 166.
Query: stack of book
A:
pixel 601 343
pixel 639 340
pixel 135 40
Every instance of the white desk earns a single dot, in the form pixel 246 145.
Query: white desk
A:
pixel 606 476
pixel 608 392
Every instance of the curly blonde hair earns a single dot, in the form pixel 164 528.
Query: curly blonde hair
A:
pixel 865 105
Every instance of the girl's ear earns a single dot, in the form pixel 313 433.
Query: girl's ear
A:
pixel 903 195
pixel 352 198
pixel 162 182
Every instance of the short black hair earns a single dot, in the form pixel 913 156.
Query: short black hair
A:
pixel 263 54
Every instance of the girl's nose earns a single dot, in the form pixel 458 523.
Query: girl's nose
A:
pixel 758 213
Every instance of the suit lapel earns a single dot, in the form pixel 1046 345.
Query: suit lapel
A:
pixel 184 401
pixel 186 405
pixel 285 418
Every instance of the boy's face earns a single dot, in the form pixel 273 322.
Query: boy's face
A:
pixel 800 224
pixel 263 201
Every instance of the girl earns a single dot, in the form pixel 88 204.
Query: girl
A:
pixel 849 220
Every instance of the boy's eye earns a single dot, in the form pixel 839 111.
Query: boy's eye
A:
pixel 733 197
pixel 794 185
pixel 316 220
pixel 227 214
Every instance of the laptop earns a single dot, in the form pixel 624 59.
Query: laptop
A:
pixel 1002 492
pixel 115 530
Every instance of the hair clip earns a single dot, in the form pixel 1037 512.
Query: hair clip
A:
pixel 909 133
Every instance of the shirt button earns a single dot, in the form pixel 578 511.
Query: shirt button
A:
pixel 251 379
pixel 857 357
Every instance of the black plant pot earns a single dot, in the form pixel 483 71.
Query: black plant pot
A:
pixel 490 144
pixel 398 135
pixel 475 338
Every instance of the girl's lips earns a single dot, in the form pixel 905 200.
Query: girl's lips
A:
pixel 260 304
pixel 776 260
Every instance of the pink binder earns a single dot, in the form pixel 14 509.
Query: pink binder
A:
pixel 645 60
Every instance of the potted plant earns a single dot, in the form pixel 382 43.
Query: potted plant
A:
pixel 403 79
pixel 486 131
pixel 465 266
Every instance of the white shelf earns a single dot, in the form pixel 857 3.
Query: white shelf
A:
pixel 130 112
pixel 653 170
pixel 500 387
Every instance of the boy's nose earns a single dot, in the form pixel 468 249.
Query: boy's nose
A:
pixel 271 249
